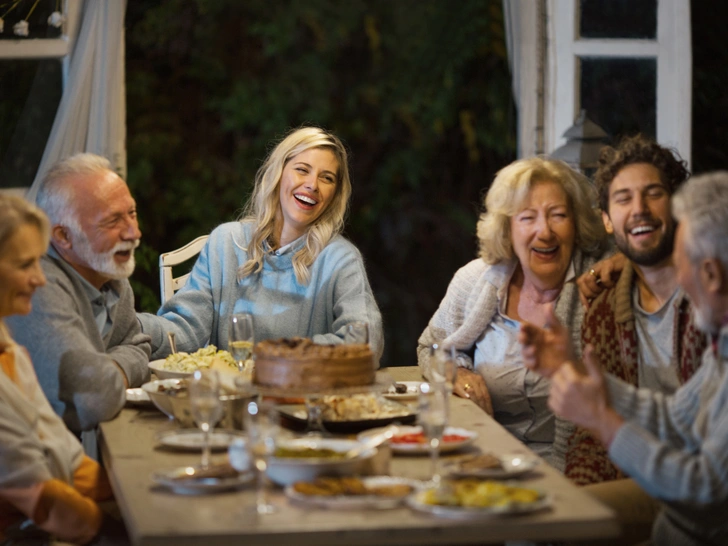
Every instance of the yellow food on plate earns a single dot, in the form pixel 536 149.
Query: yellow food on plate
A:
pixel 207 357
pixel 481 494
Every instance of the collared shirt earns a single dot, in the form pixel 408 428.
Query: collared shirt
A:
pixel 102 301
pixel 519 396
pixel 284 249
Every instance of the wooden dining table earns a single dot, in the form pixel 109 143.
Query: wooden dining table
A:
pixel 155 516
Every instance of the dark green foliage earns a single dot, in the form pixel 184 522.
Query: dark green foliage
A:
pixel 418 90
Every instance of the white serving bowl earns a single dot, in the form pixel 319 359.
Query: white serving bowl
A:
pixel 289 470
pixel 157 368
pixel 162 400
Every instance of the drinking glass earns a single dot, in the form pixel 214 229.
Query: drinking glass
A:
pixel 261 423
pixel 357 332
pixel 432 417
pixel 206 407
pixel 241 342
pixel 443 365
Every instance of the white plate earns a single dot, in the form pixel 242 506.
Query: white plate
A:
pixel 417 503
pixel 512 466
pixel 138 397
pixel 192 440
pixel 289 470
pixel 356 502
pixel 157 368
pixel 170 479
pixel 423 449
pixel 413 389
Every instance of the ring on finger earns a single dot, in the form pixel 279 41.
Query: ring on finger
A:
pixel 597 279
pixel 466 386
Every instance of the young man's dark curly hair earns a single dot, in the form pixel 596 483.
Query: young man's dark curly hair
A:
pixel 638 149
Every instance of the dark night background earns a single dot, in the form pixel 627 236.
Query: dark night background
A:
pixel 419 90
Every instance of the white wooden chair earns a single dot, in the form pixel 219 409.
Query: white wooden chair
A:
pixel 168 284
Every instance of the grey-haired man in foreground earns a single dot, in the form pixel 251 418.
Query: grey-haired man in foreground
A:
pixel 675 447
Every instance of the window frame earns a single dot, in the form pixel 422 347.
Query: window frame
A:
pixel 672 51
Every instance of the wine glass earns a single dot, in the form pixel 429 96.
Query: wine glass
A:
pixel 357 332
pixel 443 365
pixel 206 407
pixel 241 342
pixel 432 417
pixel 261 423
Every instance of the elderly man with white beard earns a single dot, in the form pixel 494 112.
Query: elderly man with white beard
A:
pixel 82 334
pixel 675 447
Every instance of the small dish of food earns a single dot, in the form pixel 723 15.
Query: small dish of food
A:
pixel 411 440
pixel 472 498
pixel 305 459
pixel 488 465
pixel 351 493
pixel 138 397
pixel 403 390
pixel 195 480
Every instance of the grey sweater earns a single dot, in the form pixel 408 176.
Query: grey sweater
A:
pixel 676 448
pixel 74 363
pixel 337 294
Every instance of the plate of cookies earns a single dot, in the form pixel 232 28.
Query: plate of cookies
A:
pixel 353 493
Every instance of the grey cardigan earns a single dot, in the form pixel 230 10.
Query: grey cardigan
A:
pixel 74 364
pixel 470 305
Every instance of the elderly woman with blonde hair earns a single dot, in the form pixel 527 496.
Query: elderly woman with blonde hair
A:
pixel 44 475
pixel 538 233
pixel 285 261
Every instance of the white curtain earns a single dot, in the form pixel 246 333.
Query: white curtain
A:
pixel 91 116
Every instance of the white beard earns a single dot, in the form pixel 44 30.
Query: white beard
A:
pixel 104 263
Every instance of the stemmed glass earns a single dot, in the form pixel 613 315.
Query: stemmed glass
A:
pixel 261 423
pixel 205 405
pixel 443 367
pixel 432 417
pixel 242 340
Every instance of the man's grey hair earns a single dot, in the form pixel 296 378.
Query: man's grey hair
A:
pixel 55 194
pixel 702 203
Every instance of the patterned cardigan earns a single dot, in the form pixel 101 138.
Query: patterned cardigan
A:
pixel 609 326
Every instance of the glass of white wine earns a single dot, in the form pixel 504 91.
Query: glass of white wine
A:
pixel 206 407
pixel 241 341
pixel 432 417
pixel 261 423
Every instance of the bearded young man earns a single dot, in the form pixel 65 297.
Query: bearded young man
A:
pixel 641 329
pixel 674 447
pixel 82 334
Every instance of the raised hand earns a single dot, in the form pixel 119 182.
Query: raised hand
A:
pixel 545 349
pixel 582 397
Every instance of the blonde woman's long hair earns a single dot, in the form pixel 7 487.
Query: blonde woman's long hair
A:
pixel 509 191
pixel 262 208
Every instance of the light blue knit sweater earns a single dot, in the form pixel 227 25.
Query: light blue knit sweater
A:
pixel 337 294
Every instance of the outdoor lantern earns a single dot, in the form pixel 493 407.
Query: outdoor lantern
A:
pixel 584 139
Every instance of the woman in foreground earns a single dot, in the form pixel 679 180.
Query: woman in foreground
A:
pixel 538 234
pixel 284 262
pixel 44 475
